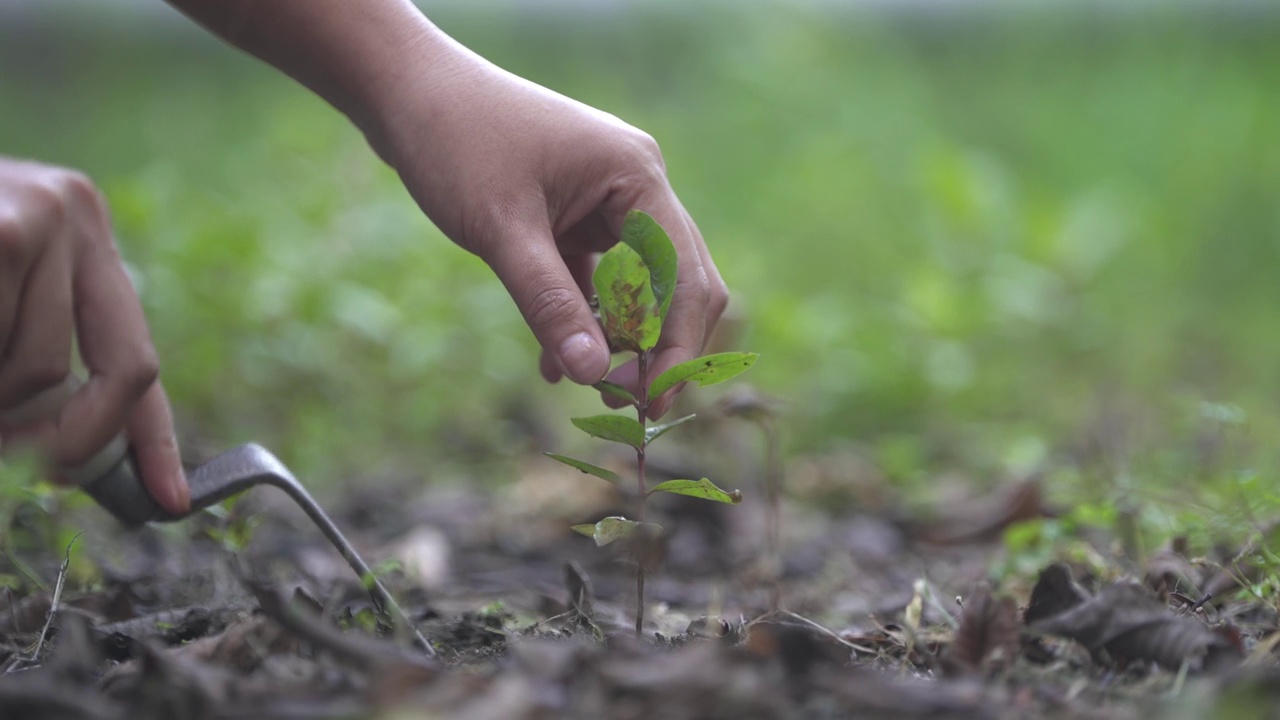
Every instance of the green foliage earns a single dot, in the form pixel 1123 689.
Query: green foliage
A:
pixel 634 282
pixel 613 528
pixel 586 467
pixel 615 390
pixel 704 489
pixel 656 431
pixel 629 308
pixel 965 258
pixel 707 370
pixel 614 428
pixel 645 236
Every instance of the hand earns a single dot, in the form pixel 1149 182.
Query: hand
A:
pixel 536 184
pixel 62 281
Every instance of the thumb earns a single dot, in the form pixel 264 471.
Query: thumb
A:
pixel 536 276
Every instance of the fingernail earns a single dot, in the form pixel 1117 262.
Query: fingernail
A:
pixel 582 359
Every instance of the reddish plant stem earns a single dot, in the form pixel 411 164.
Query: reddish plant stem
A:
pixel 642 411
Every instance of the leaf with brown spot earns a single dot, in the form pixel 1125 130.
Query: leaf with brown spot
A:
pixel 987 636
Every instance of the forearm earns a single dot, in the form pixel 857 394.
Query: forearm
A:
pixel 356 54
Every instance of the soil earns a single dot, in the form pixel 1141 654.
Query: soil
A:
pixel 881 612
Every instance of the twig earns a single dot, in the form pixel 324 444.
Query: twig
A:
pixel 57 595
pixel 1207 597
pixel 13 613
pixel 365 652
pixel 831 633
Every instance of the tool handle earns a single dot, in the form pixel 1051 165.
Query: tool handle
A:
pixel 110 477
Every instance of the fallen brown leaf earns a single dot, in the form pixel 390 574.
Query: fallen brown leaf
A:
pixel 1126 621
pixel 987 636
pixel 1054 593
pixel 1168 569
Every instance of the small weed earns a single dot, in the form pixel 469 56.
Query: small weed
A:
pixel 634 283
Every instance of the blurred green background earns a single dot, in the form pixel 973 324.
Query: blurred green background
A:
pixel 982 238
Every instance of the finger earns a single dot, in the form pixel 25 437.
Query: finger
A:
pixel 18 224
pixel 548 367
pixel 548 295
pixel 580 267
pixel 628 376
pixel 116 348
pixel 39 354
pixel 155 448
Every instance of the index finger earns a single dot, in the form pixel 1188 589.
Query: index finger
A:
pixel 116 348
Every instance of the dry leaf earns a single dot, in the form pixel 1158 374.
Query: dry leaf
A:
pixel 1126 621
pixel 1169 570
pixel 1055 592
pixel 987 636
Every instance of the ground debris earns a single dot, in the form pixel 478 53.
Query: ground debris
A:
pixel 1126 621
pixel 987 636
pixel 540 631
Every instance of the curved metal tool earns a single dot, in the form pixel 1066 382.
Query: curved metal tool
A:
pixel 111 478
pixel 121 493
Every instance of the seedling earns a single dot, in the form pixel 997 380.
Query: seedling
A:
pixel 634 282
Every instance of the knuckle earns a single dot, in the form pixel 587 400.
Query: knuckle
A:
pixel 21 382
pixel 552 305
pixel 30 378
pixel 13 243
pixel 76 187
pixel 645 157
pixel 27 223
pixel 647 146
pixel 697 289
pixel 718 297
pixel 143 372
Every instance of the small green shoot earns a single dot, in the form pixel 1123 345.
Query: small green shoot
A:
pixel 634 282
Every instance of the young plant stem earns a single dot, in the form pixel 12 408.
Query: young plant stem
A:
pixel 642 410
pixel 773 510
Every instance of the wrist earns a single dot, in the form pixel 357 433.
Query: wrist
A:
pixel 402 101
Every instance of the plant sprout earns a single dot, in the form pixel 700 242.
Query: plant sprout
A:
pixel 634 282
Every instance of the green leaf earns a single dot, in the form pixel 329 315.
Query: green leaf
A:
pixel 608 530
pixel 629 311
pixel 615 428
pixel 657 431
pixel 615 390
pixel 586 467
pixel 614 528
pixel 703 488
pixel 643 234
pixel 706 370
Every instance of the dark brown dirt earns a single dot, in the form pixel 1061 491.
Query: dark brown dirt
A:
pixel 530 620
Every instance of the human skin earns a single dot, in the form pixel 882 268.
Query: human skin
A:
pixel 534 183
pixel 61 277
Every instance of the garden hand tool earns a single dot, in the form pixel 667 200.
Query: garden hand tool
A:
pixel 111 478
